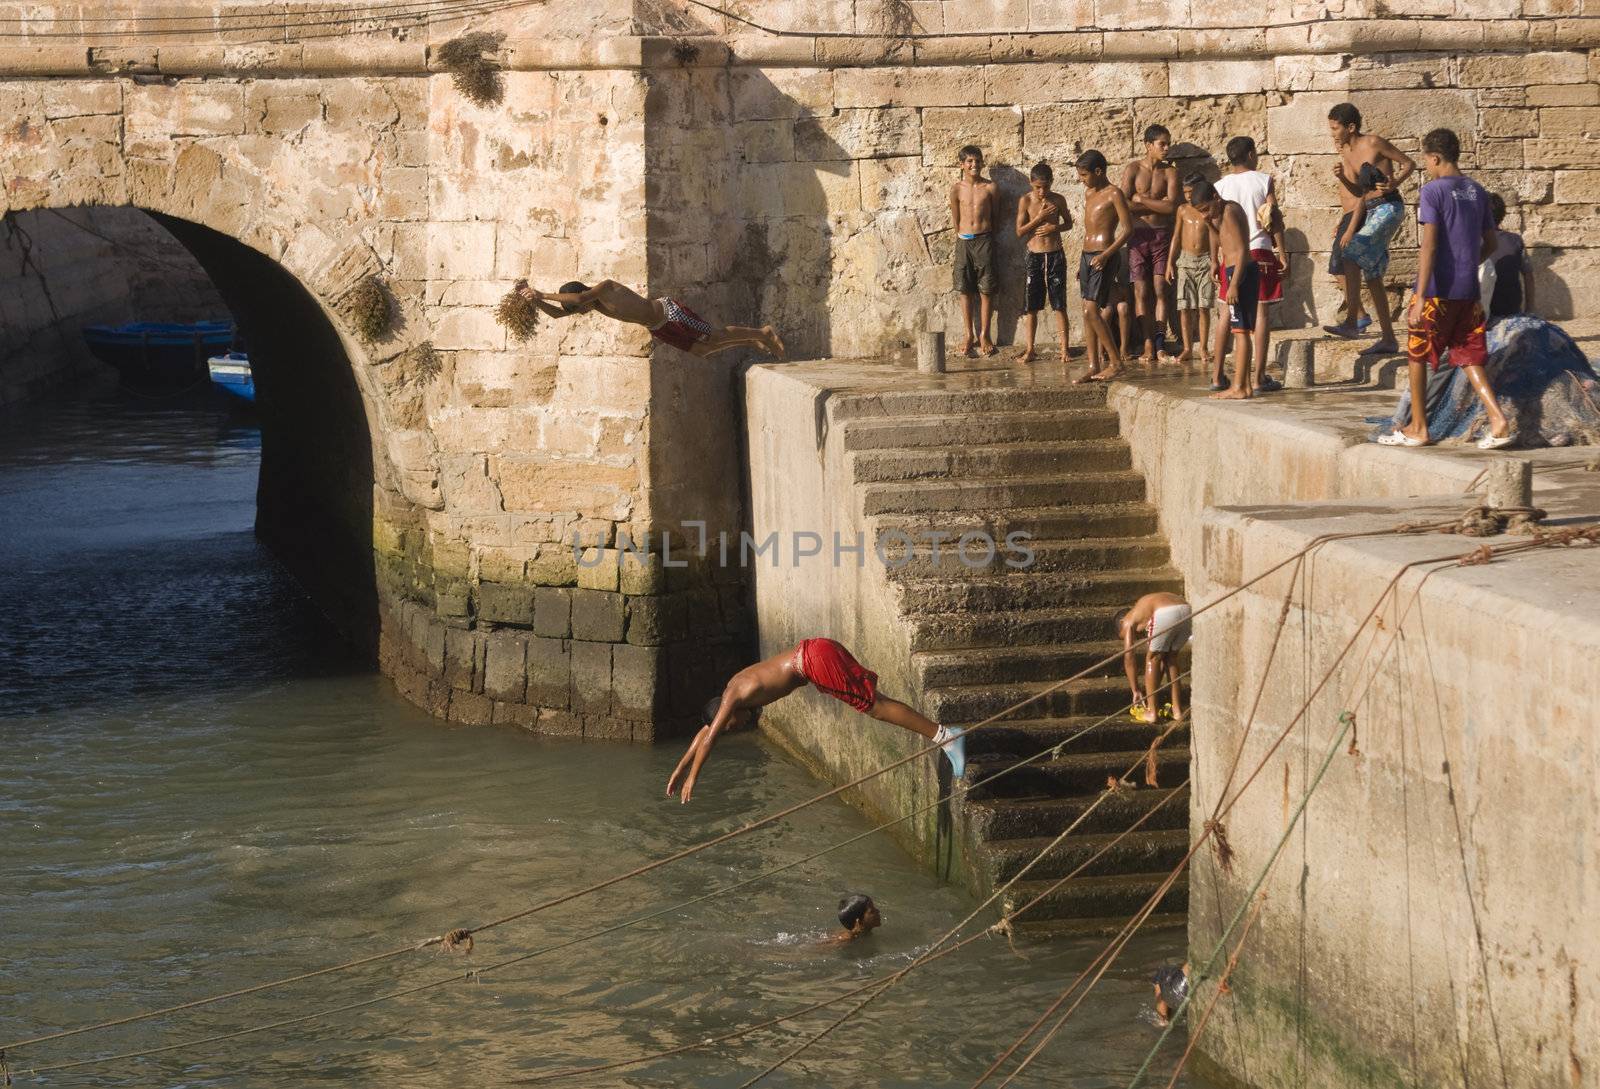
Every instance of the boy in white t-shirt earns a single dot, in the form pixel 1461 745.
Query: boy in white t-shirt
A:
pixel 1252 190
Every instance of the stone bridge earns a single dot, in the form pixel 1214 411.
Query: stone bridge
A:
pixel 427 485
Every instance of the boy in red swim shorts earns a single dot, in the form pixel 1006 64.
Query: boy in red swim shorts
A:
pixel 832 670
pixel 668 320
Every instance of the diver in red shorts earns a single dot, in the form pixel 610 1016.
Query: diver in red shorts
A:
pixel 668 320
pixel 832 670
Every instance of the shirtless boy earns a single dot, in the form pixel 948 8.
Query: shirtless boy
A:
pixel 1252 190
pixel 1241 280
pixel 668 320
pixel 859 917
pixel 832 670
pixel 1150 183
pixel 1163 619
pixel 1365 253
pixel 972 214
pixel 1189 267
pixel 1107 226
pixel 1041 217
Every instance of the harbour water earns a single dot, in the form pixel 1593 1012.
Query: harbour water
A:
pixel 201 790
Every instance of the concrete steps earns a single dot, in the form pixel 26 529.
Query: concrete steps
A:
pixel 1060 489
pixel 1047 463
pixel 912 432
pixel 1022 590
pixel 1045 523
pixel 978 462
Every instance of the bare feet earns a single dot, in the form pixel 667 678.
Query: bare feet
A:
pixel 1086 376
pixel 772 342
pixel 1028 356
pixel 969 349
pixel 1185 356
pixel 1106 374
pixel 1231 394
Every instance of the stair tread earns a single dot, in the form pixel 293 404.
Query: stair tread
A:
pixel 1081 544
pixel 1100 475
pixel 989 448
pixel 1065 801
pixel 1021 650
pixel 1032 845
pixel 1170 752
pixel 1085 926
pixel 1097 412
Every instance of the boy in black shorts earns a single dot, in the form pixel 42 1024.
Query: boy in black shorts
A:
pixel 1241 279
pixel 1041 217
pixel 1107 226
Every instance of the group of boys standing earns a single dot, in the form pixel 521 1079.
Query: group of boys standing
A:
pixel 1206 240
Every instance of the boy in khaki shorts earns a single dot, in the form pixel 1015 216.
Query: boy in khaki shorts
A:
pixel 1190 267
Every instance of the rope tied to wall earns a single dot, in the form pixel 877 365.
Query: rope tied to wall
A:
pixel 1220 845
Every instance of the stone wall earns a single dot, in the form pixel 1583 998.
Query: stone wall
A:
pixel 60 272
pixel 1428 922
pixel 825 163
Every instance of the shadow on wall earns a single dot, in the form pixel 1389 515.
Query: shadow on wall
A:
pixel 1010 253
pixel 1296 309
pixel 1553 296
pixel 314 500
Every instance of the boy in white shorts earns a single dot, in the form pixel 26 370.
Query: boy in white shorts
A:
pixel 1163 618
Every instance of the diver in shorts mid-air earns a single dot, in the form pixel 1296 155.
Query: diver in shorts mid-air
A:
pixel 832 670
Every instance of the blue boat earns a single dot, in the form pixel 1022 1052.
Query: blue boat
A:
pixel 149 353
pixel 230 373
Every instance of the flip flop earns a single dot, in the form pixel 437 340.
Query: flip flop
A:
pixel 1268 385
pixel 1218 387
pixel 1345 331
pixel 1364 324
pixel 1489 442
pixel 1399 438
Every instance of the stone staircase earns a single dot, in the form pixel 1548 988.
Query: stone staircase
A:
pixel 1047 461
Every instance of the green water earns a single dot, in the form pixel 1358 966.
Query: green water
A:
pixel 200 791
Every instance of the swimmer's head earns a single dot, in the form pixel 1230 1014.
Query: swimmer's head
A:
pixel 1242 152
pixel 858 914
pixel 1041 176
pixel 1158 140
pixel 970 159
pixel 1497 207
pixel 741 718
pixel 573 287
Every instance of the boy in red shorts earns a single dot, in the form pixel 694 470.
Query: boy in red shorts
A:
pixel 1252 190
pixel 1445 315
pixel 668 320
pixel 832 670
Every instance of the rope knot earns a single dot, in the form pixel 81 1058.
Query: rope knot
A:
pixel 457 941
pixel 1220 844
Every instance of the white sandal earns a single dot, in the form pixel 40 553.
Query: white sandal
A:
pixel 1399 438
pixel 1489 442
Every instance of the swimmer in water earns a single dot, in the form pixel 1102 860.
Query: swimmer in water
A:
pixel 833 671
pixel 1172 987
pixel 859 916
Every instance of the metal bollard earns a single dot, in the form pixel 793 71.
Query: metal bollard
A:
pixel 1299 364
pixel 1508 482
pixel 930 352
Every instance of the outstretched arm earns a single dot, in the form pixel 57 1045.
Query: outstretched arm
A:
pixel 540 300
pixel 700 748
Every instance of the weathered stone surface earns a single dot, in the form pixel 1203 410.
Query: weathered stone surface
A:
pixel 1061 132
pixel 653 621
pixel 1211 77
pixel 787 93
pixel 918 87
pixel 505 666
pixel 552 612
pixel 598 615
pixel 995 129
pixel 549 672
pixel 1001 16
pixel 1559 121
pixel 857 134
pixel 1563 94
pixel 591 676
pixel 1035 84
pixel 1577 186
pixel 636 681
pixel 1509 123
pixel 500 603
pixel 1522 69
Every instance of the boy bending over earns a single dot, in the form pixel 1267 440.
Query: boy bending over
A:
pixel 1164 619
pixel 833 671
pixel 668 320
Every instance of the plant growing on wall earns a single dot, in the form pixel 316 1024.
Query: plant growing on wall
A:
pixel 518 314
pixel 369 309
pixel 469 60
pixel 423 363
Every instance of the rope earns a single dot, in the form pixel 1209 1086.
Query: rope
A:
pixel 916 36
pixel 461 936
pixel 702 845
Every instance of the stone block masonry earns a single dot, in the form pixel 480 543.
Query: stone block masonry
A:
pixel 792 178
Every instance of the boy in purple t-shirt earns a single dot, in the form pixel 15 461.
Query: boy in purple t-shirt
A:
pixel 1445 315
